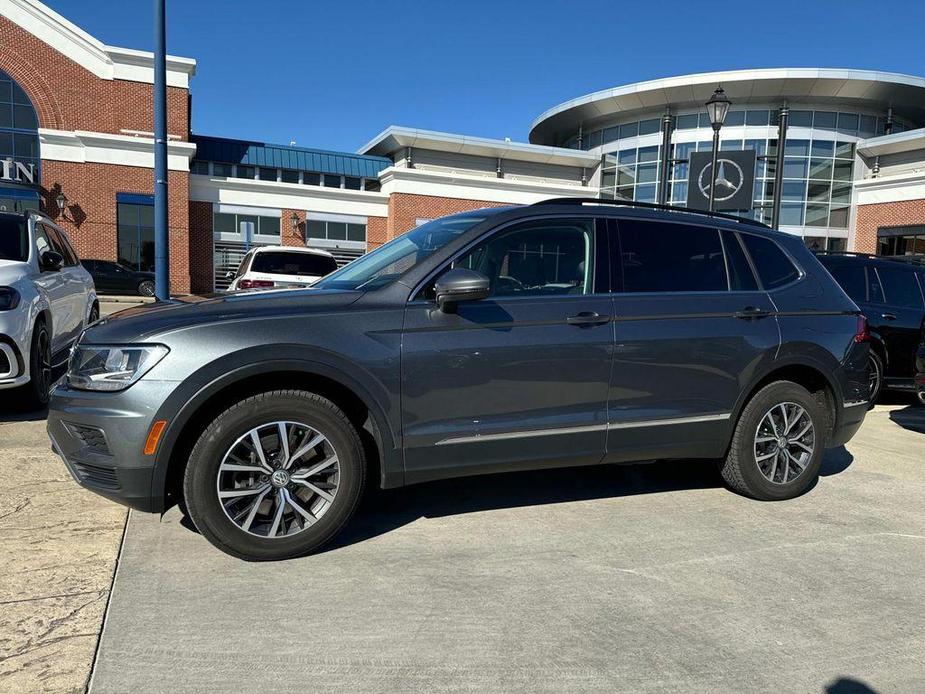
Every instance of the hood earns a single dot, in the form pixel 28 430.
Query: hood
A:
pixel 145 323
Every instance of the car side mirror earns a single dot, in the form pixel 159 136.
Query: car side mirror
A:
pixel 460 284
pixel 52 260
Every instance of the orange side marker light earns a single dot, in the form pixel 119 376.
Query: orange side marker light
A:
pixel 154 436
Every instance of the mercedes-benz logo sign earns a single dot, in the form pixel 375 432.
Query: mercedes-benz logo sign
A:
pixel 729 178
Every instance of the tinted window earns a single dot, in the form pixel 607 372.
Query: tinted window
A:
pixel 662 257
pixel 874 289
pixel 900 287
pixel 773 265
pixel 59 245
pixel 540 258
pixel 293 263
pixel 14 240
pixel 852 279
pixel 741 277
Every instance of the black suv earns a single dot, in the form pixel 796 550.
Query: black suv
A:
pixel 891 293
pixel 112 278
pixel 570 332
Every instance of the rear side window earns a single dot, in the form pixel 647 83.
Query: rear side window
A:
pixel 60 245
pixel 14 240
pixel 665 257
pixel 774 267
pixel 900 287
pixel 293 263
pixel 741 277
pixel 852 279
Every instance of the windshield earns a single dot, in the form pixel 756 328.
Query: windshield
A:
pixel 293 263
pixel 14 240
pixel 397 256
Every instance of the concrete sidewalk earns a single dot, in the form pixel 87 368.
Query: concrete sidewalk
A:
pixel 645 578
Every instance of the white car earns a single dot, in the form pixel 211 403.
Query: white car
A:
pixel 266 267
pixel 46 300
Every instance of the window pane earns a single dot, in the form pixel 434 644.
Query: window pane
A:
pixel 269 226
pixel 331 181
pixel 800 119
pixel 852 279
pixel 626 156
pixel 814 243
pixel 795 168
pixel 818 192
pixel 735 118
pixel 245 171
pixel 848 123
pixel 686 122
pixel 844 150
pixel 146 241
pixel 837 244
pixel 351 183
pixel 817 216
pixel 24 117
pixel 774 267
pixel 825 120
pixel 821 169
pixel 741 277
pixel 645 193
pixel 791 213
pixel 221 169
pixel 647 127
pixel 543 258
pixel 757 117
pixel 793 191
pixel 247 219
pixel 796 148
pixel 663 257
pixel 648 153
pixel 337 230
pixel 267 174
pixel 127 214
pixel 146 215
pixel 224 223
pixel 611 134
pixel 900 287
pixel 289 176
pixel 839 217
pixel 629 130
pixel 316 229
pixel 646 173
pixel 311 179
pixel 199 167
pixel 356 232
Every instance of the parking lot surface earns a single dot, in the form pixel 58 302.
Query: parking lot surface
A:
pixel 636 578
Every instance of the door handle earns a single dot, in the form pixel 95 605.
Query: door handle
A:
pixel 750 312
pixel 587 318
pixel 888 316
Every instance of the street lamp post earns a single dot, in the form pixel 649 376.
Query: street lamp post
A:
pixel 717 108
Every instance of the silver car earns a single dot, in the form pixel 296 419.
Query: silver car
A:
pixel 46 300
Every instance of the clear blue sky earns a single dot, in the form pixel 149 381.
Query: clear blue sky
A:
pixel 333 74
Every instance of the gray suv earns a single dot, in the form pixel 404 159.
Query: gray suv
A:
pixel 570 332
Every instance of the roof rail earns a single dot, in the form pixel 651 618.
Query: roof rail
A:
pixel 917 259
pixel 650 206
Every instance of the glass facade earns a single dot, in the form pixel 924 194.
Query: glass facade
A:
pixel 903 240
pixel 135 224
pixel 19 141
pixel 263 173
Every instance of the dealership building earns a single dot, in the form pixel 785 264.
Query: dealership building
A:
pixel 76 121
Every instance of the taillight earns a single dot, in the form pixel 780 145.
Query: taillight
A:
pixel 254 284
pixel 862 333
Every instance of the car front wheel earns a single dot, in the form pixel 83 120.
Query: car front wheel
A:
pixel 146 288
pixel 275 476
pixel 39 367
pixel 778 444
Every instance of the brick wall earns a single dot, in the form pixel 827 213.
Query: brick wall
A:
pixel 200 247
pixel 377 230
pixel 884 214
pixel 90 218
pixel 69 97
pixel 406 208
pixel 290 236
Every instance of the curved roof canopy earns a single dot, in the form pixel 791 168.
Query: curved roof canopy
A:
pixel 865 89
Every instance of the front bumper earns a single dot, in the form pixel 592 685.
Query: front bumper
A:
pixel 14 348
pixel 101 438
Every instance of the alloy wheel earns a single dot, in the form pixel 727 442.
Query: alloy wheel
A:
pixel 785 442
pixel 278 479
pixel 44 356
pixel 873 377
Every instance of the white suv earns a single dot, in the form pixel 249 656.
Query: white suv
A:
pixel 46 300
pixel 266 267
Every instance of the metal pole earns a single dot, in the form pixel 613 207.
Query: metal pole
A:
pixel 783 115
pixel 161 240
pixel 713 167
pixel 667 122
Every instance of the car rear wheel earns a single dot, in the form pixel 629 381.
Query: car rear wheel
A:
pixel 778 444
pixel 875 377
pixel 146 288
pixel 275 476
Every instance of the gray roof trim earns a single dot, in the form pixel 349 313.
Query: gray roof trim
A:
pixel 908 141
pixel 396 137
pixel 905 93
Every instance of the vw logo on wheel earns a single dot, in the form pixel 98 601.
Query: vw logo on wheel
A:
pixel 280 478
pixel 729 179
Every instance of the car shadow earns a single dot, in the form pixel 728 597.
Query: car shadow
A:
pixel 12 409
pixel 848 685
pixel 911 418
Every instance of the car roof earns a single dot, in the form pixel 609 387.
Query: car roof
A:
pixel 850 258
pixel 296 249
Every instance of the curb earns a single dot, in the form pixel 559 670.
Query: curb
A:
pixel 121 299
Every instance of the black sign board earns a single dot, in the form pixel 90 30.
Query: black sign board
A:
pixel 735 180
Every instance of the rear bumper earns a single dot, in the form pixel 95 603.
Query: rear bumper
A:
pixel 848 422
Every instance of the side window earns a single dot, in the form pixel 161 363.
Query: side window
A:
pixel 852 279
pixel 245 262
pixel 741 277
pixel 41 240
pixel 874 287
pixel 59 245
pixel 70 248
pixel 666 257
pixel 537 259
pixel 900 287
pixel 774 267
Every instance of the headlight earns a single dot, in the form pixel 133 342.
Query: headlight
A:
pixel 111 367
pixel 9 298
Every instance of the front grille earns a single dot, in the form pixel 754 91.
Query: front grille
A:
pixel 97 475
pixel 91 437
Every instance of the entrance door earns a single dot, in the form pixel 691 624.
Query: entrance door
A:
pixel 518 379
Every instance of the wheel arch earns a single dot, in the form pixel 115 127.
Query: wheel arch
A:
pixel 212 397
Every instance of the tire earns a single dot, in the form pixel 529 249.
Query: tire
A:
pixel 36 391
pixel 743 471
pixel 94 314
pixel 245 530
pixel 875 364
pixel 146 288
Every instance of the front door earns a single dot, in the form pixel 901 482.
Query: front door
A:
pixel 691 328
pixel 896 310
pixel 518 379
pixel 54 285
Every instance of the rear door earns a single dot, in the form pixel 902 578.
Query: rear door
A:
pixel 900 319
pixel 77 284
pixel 54 285
pixel 519 379
pixel 692 326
